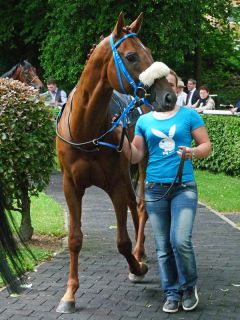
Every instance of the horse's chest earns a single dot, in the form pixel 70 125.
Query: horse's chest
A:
pixel 90 172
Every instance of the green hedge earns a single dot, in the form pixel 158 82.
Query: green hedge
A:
pixel 224 133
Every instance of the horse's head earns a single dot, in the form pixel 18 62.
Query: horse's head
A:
pixel 132 69
pixel 29 76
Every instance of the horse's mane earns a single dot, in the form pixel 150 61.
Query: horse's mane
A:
pixel 25 64
pixel 101 38
pixel 11 72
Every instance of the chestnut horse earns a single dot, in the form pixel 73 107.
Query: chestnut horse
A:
pixel 25 73
pixel 87 143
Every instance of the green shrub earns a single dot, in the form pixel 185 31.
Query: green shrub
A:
pixel 224 133
pixel 27 148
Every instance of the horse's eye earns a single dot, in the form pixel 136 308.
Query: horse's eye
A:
pixel 131 57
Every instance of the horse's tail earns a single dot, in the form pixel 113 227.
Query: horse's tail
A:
pixel 11 259
pixel 134 174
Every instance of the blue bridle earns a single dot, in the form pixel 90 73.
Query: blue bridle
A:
pixel 120 67
pixel 122 120
pixel 122 70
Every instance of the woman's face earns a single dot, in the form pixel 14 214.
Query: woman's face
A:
pixel 203 94
pixel 173 82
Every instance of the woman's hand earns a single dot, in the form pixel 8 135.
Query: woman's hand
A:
pixel 190 152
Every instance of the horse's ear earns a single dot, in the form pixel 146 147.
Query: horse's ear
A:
pixel 119 25
pixel 136 25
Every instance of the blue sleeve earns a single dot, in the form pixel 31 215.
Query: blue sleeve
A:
pixel 138 128
pixel 196 120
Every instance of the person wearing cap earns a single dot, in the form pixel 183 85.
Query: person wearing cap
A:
pixel 181 95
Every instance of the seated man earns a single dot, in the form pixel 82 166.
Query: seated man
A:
pixel 54 96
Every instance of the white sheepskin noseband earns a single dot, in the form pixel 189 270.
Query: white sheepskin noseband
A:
pixel 156 71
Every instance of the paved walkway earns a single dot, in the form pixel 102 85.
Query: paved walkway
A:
pixel 105 292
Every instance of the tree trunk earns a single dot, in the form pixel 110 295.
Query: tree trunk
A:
pixel 198 65
pixel 26 229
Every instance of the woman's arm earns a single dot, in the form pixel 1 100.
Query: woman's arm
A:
pixel 136 150
pixel 203 148
pixel 210 105
pixel 194 105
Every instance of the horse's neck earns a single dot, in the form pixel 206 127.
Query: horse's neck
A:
pixel 90 103
pixel 17 75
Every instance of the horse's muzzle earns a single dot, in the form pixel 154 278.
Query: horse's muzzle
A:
pixel 161 100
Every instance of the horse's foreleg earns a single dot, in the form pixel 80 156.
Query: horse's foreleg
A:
pixel 74 200
pixel 139 251
pixel 139 217
pixel 124 244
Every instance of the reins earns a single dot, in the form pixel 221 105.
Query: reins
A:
pixel 177 177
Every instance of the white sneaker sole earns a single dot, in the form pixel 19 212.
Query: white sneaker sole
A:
pixel 171 311
pixel 194 306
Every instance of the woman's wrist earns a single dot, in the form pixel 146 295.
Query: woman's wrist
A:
pixel 194 152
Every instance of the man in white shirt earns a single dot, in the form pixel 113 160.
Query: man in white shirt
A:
pixel 193 95
pixel 58 96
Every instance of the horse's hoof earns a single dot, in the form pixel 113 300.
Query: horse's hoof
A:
pixel 133 278
pixel 138 278
pixel 66 307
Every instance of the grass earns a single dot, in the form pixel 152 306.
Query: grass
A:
pixel 47 216
pixel 48 223
pixel 218 191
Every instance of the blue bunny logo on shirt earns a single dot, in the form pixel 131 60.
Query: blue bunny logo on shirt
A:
pixel 166 143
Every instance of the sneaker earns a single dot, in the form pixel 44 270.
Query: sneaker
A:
pixel 171 306
pixel 190 299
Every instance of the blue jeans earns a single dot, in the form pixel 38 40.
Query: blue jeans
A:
pixel 172 222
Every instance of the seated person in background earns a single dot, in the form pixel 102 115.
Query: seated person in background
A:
pixel 181 95
pixel 205 102
pixel 235 108
pixel 54 96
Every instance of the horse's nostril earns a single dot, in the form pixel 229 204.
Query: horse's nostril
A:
pixel 168 98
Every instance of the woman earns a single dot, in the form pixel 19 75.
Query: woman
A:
pixel 165 135
pixel 205 102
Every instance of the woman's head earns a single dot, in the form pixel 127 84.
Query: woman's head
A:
pixel 203 92
pixel 172 78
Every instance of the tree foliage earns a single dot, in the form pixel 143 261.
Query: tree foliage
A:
pixel 186 35
pixel 192 37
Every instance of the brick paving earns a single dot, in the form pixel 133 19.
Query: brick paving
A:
pixel 105 292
